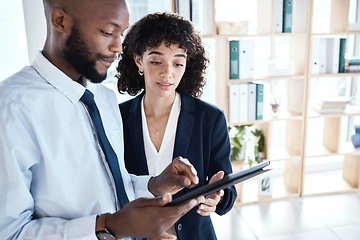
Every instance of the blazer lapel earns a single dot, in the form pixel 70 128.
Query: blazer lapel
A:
pixel 184 126
pixel 134 121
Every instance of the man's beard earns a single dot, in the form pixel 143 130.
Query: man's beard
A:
pixel 77 53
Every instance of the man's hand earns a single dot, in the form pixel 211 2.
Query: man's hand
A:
pixel 179 174
pixel 148 218
pixel 212 200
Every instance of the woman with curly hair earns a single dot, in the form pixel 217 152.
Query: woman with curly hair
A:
pixel 164 60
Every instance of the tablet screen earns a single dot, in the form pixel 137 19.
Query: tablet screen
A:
pixel 225 182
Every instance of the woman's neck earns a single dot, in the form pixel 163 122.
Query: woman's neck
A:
pixel 158 107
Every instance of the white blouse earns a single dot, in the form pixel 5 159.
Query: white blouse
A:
pixel 158 161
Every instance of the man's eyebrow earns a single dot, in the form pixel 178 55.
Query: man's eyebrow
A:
pixel 116 25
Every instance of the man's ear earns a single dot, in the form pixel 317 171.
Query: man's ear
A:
pixel 60 20
pixel 138 61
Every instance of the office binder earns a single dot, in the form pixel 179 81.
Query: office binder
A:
pixel 278 16
pixel 246 59
pixel 244 100
pixel 287 15
pixel 333 51
pixel 252 101
pixel 322 55
pixel 315 56
pixel 234 59
pixel 259 101
pixel 234 103
pixel 342 49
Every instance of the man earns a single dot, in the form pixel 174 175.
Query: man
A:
pixel 54 179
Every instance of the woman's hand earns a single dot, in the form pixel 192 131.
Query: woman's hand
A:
pixel 211 201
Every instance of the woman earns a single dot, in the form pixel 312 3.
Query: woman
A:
pixel 164 56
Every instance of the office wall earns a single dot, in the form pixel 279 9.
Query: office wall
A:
pixel 23 31
pixel 35 26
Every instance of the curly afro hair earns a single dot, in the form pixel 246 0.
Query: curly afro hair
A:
pixel 149 32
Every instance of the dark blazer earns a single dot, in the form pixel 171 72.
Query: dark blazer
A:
pixel 202 138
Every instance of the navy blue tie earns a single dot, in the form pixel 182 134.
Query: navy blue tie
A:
pixel 110 155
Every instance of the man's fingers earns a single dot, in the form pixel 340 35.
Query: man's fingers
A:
pixel 187 162
pixel 158 201
pixel 189 173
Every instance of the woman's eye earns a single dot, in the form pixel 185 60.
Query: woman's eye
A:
pixel 155 63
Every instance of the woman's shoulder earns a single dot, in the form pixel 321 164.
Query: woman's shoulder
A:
pixel 201 105
pixel 126 105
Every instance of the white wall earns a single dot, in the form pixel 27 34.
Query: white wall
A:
pixel 13 44
pixel 22 27
pixel 35 26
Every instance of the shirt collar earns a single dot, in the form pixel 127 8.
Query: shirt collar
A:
pixel 58 79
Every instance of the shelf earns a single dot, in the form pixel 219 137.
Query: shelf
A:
pixel 297 138
pixel 348 112
pixel 267 78
pixel 338 75
pixel 319 150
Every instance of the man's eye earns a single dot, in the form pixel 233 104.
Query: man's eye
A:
pixel 105 33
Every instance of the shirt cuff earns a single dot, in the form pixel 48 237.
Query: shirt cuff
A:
pixel 82 228
pixel 141 186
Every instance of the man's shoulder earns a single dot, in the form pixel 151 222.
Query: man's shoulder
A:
pixel 19 82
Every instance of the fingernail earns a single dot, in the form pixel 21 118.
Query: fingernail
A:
pixel 166 196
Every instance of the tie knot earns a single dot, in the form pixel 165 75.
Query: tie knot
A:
pixel 87 97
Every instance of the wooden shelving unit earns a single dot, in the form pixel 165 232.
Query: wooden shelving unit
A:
pixel 300 164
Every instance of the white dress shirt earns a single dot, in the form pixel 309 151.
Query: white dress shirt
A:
pixel 53 176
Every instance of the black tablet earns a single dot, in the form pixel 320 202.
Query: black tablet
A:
pixel 226 181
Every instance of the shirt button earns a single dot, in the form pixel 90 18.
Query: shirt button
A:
pixel 179 227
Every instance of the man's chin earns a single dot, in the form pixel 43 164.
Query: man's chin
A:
pixel 98 78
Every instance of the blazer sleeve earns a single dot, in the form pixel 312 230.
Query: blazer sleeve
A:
pixel 220 154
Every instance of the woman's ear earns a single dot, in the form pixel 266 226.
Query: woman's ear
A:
pixel 138 61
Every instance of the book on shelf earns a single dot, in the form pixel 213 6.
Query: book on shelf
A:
pixel 331 104
pixel 352 64
pixel 287 16
pixel 327 110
